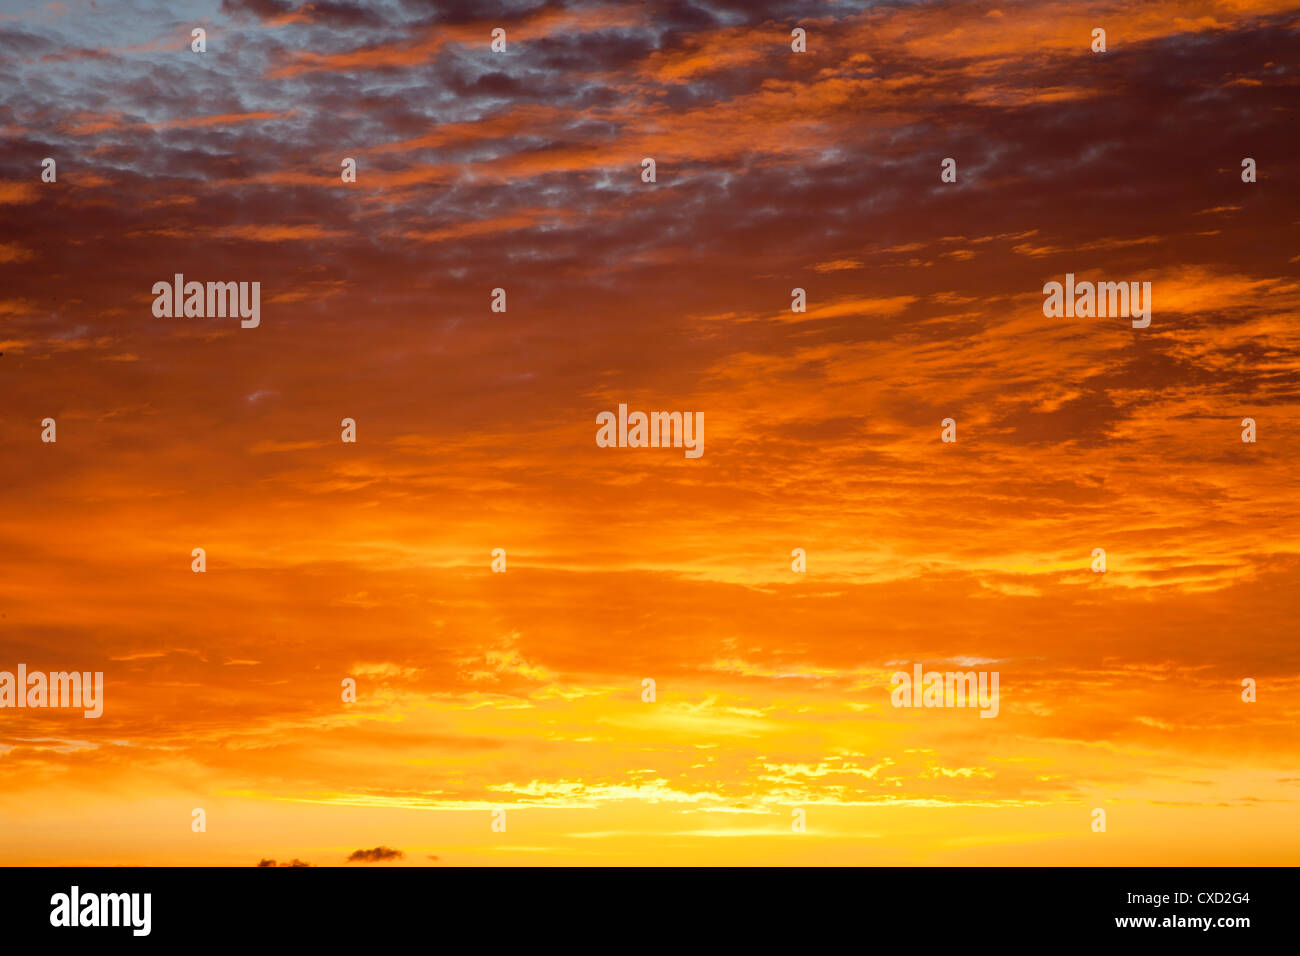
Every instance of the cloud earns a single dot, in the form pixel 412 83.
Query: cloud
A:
pixel 379 854
pixel 776 170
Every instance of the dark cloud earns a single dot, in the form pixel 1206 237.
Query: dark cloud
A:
pixel 378 855
pixel 262 9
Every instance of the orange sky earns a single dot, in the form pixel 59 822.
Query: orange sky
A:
pixel 476 431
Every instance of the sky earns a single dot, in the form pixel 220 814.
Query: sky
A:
pixel 522 691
